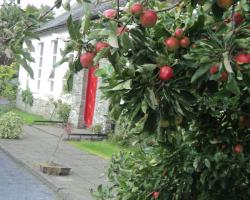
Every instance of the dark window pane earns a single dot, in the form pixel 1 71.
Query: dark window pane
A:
pixel 55 46
pixel 38 84
pixel 41 48
pixel 51 86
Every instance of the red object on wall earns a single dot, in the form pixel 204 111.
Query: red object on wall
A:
pixel 90 97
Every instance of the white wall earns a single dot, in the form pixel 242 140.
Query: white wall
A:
pixel 44 91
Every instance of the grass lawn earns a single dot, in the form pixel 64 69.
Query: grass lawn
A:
pixel 104 149
pixel 26 117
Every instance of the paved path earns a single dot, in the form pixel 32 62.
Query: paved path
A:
pixel 36 146
pixel 17 184
pixel 4 102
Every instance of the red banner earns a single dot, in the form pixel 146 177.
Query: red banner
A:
pixel 90 97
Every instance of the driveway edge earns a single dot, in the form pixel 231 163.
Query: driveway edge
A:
pixel 58 191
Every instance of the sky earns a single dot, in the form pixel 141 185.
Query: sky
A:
pixel 37 3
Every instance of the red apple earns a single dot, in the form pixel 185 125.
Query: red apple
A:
pixel 223 76
pixel 214 69
pixel 185 42
pixel 148 18
pixel 238 18
pixel 166 73
pixel 224 3
pixel 136 8
pixel 178 33
pixel 242 58
pixel 87 59
pixel 101 45
pixel 156 195
pixel 238 148
pixel 110 13
pixel 120 30
pixel 172 43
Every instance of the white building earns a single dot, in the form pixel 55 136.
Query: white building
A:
pixel 48 83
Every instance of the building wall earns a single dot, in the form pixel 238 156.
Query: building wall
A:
pixel 40 86
pixel 42 95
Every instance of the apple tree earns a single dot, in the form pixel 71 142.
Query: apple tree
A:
pixel 181 70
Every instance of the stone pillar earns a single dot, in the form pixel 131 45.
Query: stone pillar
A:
pixel 78 97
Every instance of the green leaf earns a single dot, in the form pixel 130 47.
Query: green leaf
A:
pixel 151 99
pixel 100 72
pixel 73 29
pixel 232 85
pixel 66 5
pixel 126 42
pixel 25 65
pixel 126 85
pixel 207 163
pixel 65 59
pixel 196 163
pixel 85 23
pixel 30 45
pixel 199 72
pixel 70 82
pixel 227 63
pixel 102 54
pixel 113 40
pixel 58 3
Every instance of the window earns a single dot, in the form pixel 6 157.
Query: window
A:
pixel 51 86
pixel 27 81
pixel 41 47
pixel 40 65
pixel 55 47
pixel 38 84
pixel 54 60
pixel 39 73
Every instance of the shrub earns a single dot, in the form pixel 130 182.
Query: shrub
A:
pixel 96 128
pixel 5 109
pixel 63 111
pixel 10 126
pixel 27 97
pixel 8 83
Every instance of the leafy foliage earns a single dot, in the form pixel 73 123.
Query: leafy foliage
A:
pixel 27 97
pixel 8 83
pixel 63 111
pixel 198 121
pixel 17 27
pixel 10 126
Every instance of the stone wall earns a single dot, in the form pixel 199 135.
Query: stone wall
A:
pixel 101 108
pixel 78 98
pixel 39 107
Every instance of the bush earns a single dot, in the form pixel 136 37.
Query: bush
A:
pixel 4 109
pixel 10 126
pixel 8 83
pixel 63 111
pixel 27 97
pixel 96 128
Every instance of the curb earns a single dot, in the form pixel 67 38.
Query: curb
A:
pixel 58 191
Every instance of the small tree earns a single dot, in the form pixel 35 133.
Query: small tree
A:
pixel 182 71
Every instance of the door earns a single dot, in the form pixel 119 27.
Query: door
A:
pixel 90 97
